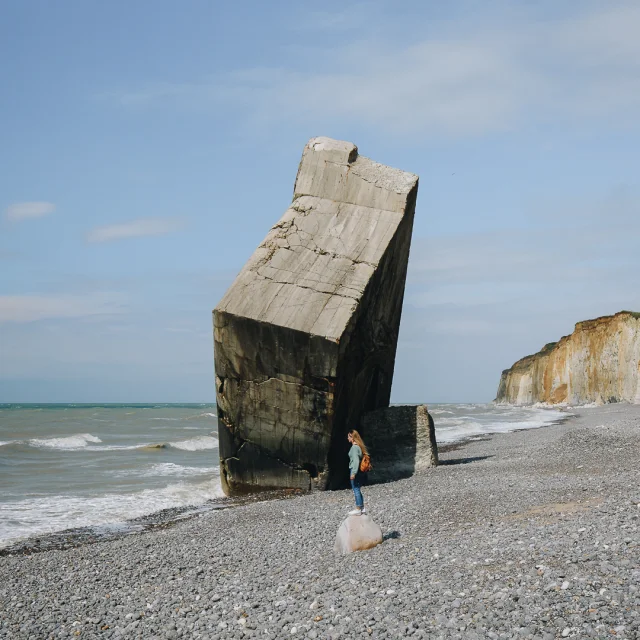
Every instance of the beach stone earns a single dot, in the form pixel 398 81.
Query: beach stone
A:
pixel 401 441
pixel 305 338
pixel 357 533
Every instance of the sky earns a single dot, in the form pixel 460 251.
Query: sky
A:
pixel 148 147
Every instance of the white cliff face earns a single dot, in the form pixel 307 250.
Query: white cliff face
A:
pixel 599 362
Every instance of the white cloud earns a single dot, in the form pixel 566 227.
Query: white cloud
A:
pixel 23 210
pixel 134 229
pixel 469 79
pixel 29 308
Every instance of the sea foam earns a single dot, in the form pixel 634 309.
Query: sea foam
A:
pixel 168 469
pixel 42 515
pixel 196 444
pixel 78 441
pixel 488 419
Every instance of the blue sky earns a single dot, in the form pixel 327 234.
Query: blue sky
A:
pixel 147 148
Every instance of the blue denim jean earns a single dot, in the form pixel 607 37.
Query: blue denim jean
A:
pixel 355 485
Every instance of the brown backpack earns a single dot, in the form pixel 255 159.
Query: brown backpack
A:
pixel 365 463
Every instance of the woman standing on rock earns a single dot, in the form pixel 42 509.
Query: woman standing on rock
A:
pixel 358 449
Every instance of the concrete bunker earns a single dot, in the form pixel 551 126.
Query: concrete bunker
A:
pixel 305 338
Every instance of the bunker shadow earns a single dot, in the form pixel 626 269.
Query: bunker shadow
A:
pixel 463 460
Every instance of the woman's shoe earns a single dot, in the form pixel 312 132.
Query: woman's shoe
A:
pixel 355 512
pixel 363 511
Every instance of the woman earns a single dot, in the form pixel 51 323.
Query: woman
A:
pixel 356 452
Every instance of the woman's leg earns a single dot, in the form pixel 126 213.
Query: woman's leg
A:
pixel 355 484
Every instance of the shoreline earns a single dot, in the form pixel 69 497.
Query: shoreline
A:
pixel 166 518
pixel 158 520
pixel 534 534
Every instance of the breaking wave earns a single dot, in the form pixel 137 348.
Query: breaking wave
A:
pixel 196 444
pixel 78 441
pixel 483 420
pixel 169 469
pixel 41 515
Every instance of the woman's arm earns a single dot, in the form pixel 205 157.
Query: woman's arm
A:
pixel 355 453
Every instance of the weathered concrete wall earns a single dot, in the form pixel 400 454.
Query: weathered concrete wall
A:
pixel 599 362
pixel 401 440
pixel 305 337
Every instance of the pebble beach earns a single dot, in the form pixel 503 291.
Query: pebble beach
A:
pixel 530 534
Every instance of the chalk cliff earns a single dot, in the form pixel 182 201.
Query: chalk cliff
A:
pixel 305 338
pixel 599 362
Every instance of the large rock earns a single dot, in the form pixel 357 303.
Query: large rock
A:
pixel 305 337
pixel 401 440
pixel 357 533
pixel 599 362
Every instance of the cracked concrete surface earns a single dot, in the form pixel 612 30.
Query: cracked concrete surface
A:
pixel 328 252
pixel 305 337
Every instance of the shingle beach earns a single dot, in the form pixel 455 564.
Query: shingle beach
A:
pixel 531 534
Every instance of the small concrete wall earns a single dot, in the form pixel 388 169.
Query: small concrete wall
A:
pixel 401 441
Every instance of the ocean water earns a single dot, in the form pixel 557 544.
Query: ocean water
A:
pixel 71 466
pixel 457 422
pixel 68 466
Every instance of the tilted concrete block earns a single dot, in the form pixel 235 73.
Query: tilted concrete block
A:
pixel 305 337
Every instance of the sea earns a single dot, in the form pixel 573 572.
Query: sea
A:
pixel 101 467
